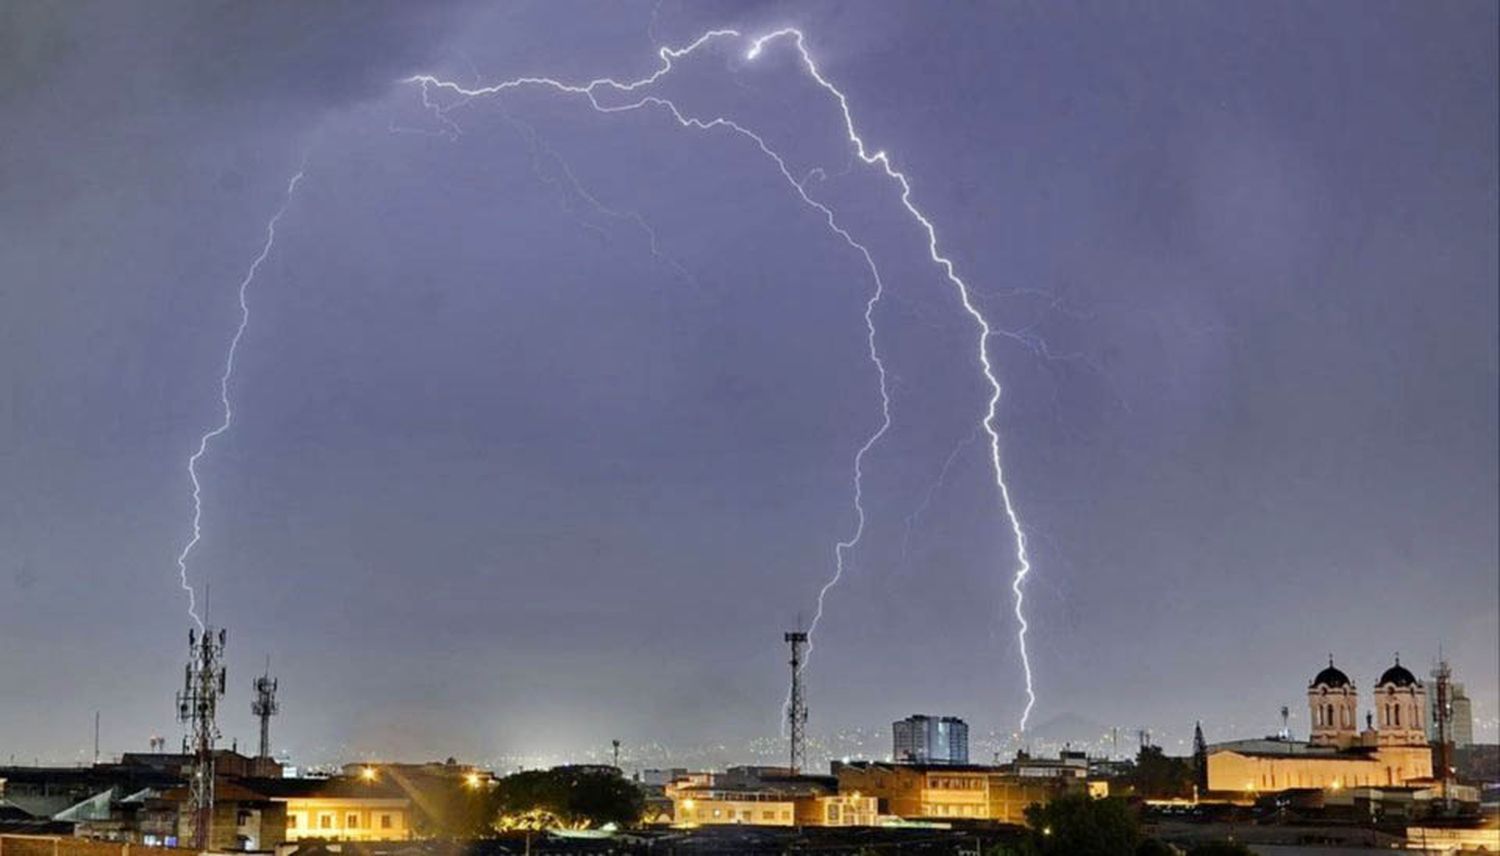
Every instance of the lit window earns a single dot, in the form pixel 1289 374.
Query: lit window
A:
pixel 351 821
pixel 385 821
pixel 291 821
pixel 325 821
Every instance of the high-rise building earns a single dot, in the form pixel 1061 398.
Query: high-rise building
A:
pixel 1460 715
pixel 921 739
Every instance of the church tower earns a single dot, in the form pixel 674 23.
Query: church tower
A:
pixel 1400 708
pixel 1333 708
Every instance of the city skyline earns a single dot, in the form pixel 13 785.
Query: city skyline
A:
pixel 545 418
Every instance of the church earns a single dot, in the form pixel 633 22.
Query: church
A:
pixel 1391 751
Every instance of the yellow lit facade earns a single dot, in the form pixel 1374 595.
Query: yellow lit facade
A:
pixel 709 808
pixel 1254 771
pixel 696 806
pixel 942 792
pixel 838 810
pixel 348 818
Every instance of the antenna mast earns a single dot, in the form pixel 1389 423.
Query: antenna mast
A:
pixel 796 709
pixel 198 705
pixel 264 707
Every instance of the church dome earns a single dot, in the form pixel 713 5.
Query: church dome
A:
pixel 1398 675
pixel 1331 677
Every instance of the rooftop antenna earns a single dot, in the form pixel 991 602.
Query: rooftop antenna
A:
pixel 1286 730
pixel 616 745
pixel 264 707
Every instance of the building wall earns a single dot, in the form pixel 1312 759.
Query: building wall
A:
pixel 237 825
pixel 1010 796
pixel 954 794
pixel 1389 765
pixel 838 810
pixel 709 812
pixel 937 794
pixel 348 819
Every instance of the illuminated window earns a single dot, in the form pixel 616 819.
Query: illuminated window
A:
pixel 325 821
pixel 351 821
pixel 291 821
pixel 385 821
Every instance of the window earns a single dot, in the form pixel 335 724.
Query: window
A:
pixel 351 821
pixel 291 821
pixel 385 821
pixel 325 821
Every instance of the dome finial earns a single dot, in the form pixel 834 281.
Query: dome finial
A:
pixel 1330 659
pixel 1398 658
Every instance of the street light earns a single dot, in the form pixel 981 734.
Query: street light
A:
pixel 368 774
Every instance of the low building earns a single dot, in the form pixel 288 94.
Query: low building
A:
pixel 1067 765
pixel 767 796
pixel 752 807
pixel 949 791
pixel 243 818
pixel 45 791
pixel 142 817
pixel 339 809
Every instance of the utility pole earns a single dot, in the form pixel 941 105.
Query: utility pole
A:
pixel 616 744
pixel 264 707
pixel 796 709
pixel 198 705
pixel 96 738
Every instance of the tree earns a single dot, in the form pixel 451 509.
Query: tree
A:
pixel 569 797
pixel 1159 775
pixel 457 809
pixel 1078 825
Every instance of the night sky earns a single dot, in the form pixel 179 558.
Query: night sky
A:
pixel 544 420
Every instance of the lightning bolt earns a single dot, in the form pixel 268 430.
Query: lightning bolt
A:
pixel 226 409
pixel 881 160
pixel 878 159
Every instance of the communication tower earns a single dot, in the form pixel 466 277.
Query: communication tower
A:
pixel 796 709
pixel 264 707
pixel 198 705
